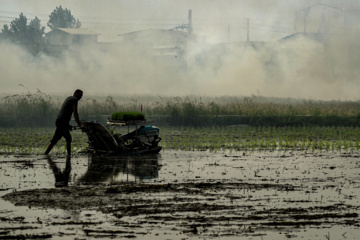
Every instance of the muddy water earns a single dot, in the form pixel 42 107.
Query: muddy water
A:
pixel 182 195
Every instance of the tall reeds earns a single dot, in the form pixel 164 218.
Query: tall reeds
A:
pixel 38 109
pixel 27 109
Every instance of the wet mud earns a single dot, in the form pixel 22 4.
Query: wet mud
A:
pixel 182 195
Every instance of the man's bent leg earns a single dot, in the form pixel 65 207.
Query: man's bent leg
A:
pixel 68 148
pixel 68 139
pixel 57 136
pixel 50 146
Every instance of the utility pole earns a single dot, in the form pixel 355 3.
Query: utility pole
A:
pixel 190 22
pixel 306 13
pixel 228 33
pixel 187 40
pixel 248 31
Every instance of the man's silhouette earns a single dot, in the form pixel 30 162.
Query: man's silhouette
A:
pixel 62 121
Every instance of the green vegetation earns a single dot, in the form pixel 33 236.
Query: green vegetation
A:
pixel 28 35
pixel 27 110
pixel 237 138
pixel 127 116
pixel 31 35
pixel 256 112
pixel 34 141
pixel 62 18
pixel 40 110
pixel 215 139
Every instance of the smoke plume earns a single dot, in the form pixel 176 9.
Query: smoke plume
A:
pixel 300 67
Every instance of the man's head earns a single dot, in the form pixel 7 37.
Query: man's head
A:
pixel 78 94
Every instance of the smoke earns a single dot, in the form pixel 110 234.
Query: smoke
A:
pixel 276 70
pixel 121 71
pixel 299 67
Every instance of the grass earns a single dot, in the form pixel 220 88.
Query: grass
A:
pixel 34 141
pixel 262 138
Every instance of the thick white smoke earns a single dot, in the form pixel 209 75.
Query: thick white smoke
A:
pixel 300 68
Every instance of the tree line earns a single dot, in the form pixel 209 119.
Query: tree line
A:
pixel 31 34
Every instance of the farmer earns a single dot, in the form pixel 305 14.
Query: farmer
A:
pixel 62 121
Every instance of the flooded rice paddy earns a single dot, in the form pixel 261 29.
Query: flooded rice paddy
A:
pixel 182 195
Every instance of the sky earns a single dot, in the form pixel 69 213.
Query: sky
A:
pixel 238 72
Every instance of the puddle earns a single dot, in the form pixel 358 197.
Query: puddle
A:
pixel 182 194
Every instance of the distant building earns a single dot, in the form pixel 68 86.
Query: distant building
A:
pixel 319 24
pixel 327 18
pixel 326 29
pixel 60 39
pixel 70 36
pixel 160 41
pixel 155 37
pixel 301 40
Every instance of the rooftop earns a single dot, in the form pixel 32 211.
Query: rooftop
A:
pixel 78 31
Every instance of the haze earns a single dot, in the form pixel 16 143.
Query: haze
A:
pixel 233 70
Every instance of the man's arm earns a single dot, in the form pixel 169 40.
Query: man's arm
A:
pixel 76 115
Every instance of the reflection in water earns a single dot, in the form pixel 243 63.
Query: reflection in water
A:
pixel 61 177
pixel 121 168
